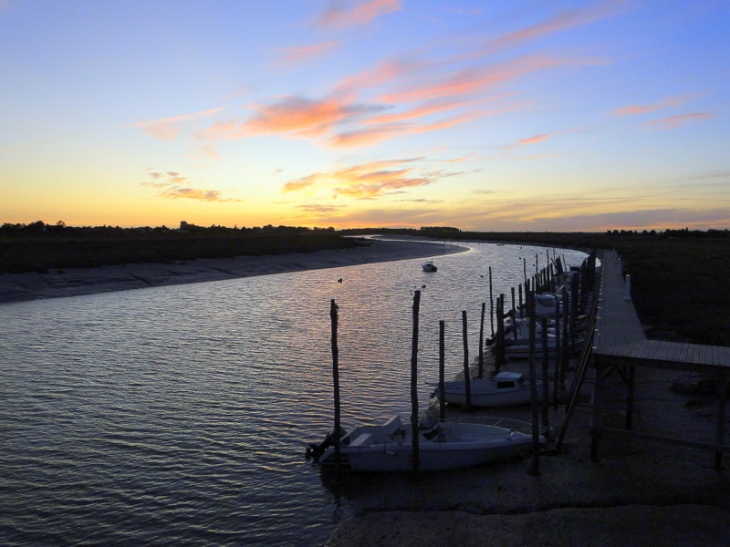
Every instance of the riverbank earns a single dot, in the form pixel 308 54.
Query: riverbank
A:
pixel 81 281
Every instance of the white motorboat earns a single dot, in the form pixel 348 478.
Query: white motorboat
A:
pixel 501 389
pixel 444 445
pixel 429 266
pixel 546 305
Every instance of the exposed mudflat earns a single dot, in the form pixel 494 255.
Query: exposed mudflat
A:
pixel 80 281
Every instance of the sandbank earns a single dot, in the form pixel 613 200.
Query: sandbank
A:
pixel 81 281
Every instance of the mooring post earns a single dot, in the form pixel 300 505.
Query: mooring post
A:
pixel 414 383
pixel 336 382
pixel 467 379
pixel 558 357
pixel 442 366
pixel 534 468
pixel 491 301
pixel 565 354
pixel 481 342
pixel 545 379
pixel 720 445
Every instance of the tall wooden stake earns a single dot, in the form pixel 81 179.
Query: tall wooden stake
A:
pixel 467 378
pixel 442 366
pixel 481 343
pixel 491 301
pixel 534 468
pixel 414 383
pixel 545 379
pixel 336 382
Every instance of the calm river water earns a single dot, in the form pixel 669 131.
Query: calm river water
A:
pixel 176 415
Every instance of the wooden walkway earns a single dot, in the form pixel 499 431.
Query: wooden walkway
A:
pixel 619 344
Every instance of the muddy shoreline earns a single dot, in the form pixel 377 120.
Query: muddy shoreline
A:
pixel 82 281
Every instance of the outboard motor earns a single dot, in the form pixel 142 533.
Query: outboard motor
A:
pixel 316 450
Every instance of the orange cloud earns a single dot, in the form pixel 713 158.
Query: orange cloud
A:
pixel 673 122
pixel 361 14
pixel 297 116
pixel 192 193
pixel 299 54
pixel 635 109
pixel 368 180
pixel 170 185
pixel 169 128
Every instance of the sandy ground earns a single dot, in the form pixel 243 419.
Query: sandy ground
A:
pixel 79 281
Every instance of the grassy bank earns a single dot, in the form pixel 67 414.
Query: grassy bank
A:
pixel 59 247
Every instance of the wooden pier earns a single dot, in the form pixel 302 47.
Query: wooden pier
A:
pixel 620 345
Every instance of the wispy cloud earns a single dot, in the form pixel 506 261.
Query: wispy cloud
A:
pixel 403 96
pixel 319 209
pixel 299 54
pixel 535 139
pixel 172 185
pixel 169 128
pixel 368 180
pixel 341 15
pixel 635 109
pixel 673 122
pixel 563 21
pixel 461 11
pixel 296 116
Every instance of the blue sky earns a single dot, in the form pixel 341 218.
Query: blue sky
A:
pixel 520 116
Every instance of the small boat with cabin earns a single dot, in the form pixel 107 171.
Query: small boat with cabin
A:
pixel 499 390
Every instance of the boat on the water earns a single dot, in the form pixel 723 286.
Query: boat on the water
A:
pixel 442 446
pixel 501 389
pixel 429 266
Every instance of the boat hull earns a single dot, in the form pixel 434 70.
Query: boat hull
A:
pixel 472 445
pixel 489 399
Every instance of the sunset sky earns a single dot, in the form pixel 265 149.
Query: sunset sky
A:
pixel 483 115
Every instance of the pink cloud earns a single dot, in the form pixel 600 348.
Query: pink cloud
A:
pixel 673 122
pixel 471 81
pixel 362 13
pixel 635 109
pixel 563 21
pixel 169 128
pixel 297 116
pixel 299 54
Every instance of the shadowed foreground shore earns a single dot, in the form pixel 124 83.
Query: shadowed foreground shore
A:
pixel 80 281
pixel 640 493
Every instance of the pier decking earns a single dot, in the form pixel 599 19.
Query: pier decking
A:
pixel 619 344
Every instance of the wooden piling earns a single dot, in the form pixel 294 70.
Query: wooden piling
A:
pixel 545 379
pixel 534 468
pixel 491 301
pixel 414 383
pixel 442 366
pixel 467 379
pixel 336 382
pixel 481 342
